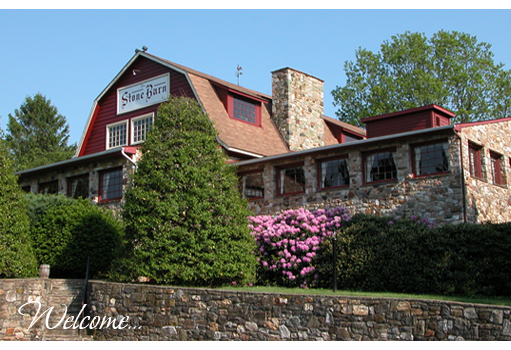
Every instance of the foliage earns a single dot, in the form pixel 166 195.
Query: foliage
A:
pixel 17 258
pixel 186 222
pixel 451 69
pixel 412 256
pixel 37 134
pixel 66 231
pixel 288 243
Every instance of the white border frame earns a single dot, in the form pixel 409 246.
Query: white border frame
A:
pixel 125 122
pixel 132 131
pixel 166 98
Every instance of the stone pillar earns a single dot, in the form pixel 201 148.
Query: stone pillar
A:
pixel 297 108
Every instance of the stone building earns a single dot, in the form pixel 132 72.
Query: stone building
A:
pixel 289 154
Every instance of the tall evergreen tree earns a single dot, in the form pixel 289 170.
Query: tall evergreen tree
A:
pixel 186 222
pixel 17 258
pixel 37 134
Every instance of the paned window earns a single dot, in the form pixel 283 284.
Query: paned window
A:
pixel 431 158
pixel 475 160
pixel 78 187
pixel 380 166
pixel 116 135
pixel 334 173
pixel 290 180
pixel 140 127
pixel 110 185
pixel 51 187
pixel 252 185
pixel 244 110
pixel 497 169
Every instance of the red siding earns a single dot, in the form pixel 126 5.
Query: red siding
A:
pixel 405 122
pixel 106 112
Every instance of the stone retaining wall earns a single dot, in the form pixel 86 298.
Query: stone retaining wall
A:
pixel 174 313
pixel 13 294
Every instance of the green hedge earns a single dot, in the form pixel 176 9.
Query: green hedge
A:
pixel 405 256
pixel 66 231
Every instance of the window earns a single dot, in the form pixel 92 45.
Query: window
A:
pixel 26 189
pixel 116 135
pixel 334 173
pixel 51 187
pixel 252 185
pixel 244 110
pixel 140 126
pixel 497 169
pixel 380 166
pixel 110 185
pixel 78 187
pixel 475 160
pixel 290 180
pixel 430 158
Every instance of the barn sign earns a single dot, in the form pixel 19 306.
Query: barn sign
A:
pixel 143 94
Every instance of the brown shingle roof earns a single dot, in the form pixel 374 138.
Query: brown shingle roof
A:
pixel 352 128
pixel 264 140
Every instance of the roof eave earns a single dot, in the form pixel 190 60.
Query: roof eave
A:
pixel 346 145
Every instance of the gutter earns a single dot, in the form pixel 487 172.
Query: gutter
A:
pixel 67 162
pixel 345 145
pixel 224 145
pixel 129 158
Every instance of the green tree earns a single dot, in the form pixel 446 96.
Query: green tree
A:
pixel 17 258
pixel 37 134
pixel 186 222
pixel 451 69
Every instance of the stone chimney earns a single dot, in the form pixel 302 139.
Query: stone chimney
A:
pixel 297 108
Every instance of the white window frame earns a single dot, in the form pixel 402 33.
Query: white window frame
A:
pixel 133 120
pixel 125 122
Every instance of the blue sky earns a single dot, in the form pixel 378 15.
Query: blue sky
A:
pixel 71 55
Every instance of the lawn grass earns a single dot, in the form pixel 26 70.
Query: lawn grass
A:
pixel 281 290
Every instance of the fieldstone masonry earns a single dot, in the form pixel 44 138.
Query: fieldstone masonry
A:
pixel 93 170
pixel 485 200
pixel 297 108
pixel 174 313
pixel 438 197
pixel 48 292
pixel 450 198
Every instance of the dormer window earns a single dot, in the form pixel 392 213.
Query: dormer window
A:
pixel 244 110
pixel 241 107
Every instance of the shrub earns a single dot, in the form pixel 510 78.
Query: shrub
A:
pixel 411 256
pixel 288 244
pixel 186 222
pixel 66 231
pixel 17 258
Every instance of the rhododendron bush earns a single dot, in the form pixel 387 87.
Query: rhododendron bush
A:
pixel 288 244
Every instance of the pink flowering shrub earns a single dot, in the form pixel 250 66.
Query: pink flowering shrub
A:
pixel 288 244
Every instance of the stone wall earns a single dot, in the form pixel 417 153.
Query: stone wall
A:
pixel 13 294
pixel 297 108
pixel 92 169
pixel 485 200
pixel 437 197
pixel 174 313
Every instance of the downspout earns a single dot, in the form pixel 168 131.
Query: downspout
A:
pixel 464 188
pixel 129 158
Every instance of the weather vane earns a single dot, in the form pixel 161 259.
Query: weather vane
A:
pixel 239 71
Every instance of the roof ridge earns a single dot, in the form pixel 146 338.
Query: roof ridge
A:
pixel 213 78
